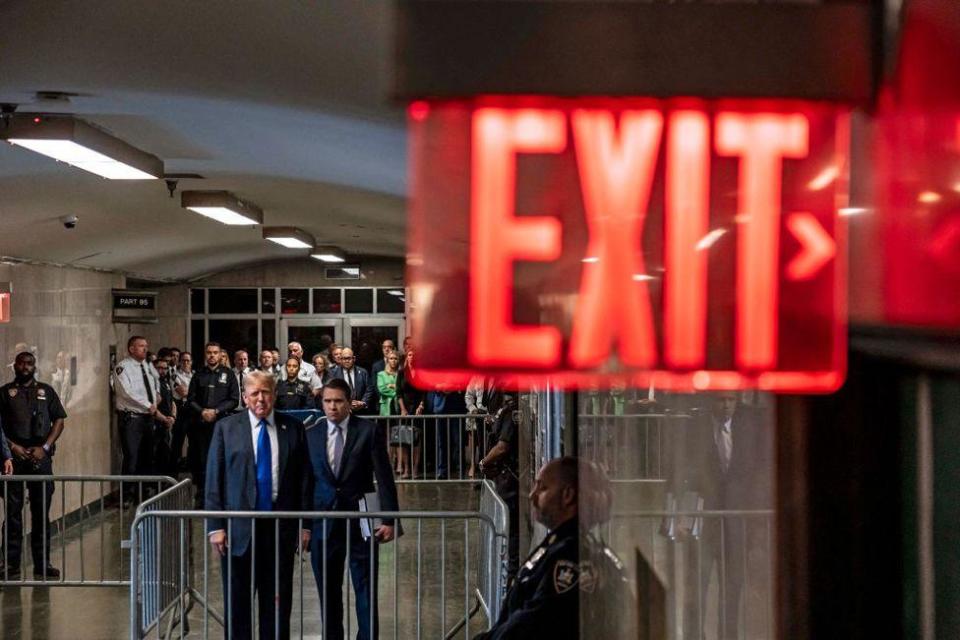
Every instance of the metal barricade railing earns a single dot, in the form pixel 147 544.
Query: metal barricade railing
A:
pixel 89 516
pixel 445 568
pixel 717 567
pixel 438 447
pixel 628 445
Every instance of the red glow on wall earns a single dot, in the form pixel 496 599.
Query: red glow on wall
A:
pixel 595 242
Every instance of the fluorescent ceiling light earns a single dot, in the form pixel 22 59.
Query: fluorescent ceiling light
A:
pixel 289 237
pixel 328 254
pixel 395 292
pixel 222 206
pixel 80 144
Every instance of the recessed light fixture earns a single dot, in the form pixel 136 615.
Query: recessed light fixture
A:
pixel 328 254
pixel 222 206
pixel 289 237
pixel 82 145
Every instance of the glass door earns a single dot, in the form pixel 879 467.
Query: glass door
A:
pixel 366 335
pixel 315 335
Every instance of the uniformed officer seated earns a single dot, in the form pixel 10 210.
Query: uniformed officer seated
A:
pixel 292 392
pixel 32 417
pixel 544 599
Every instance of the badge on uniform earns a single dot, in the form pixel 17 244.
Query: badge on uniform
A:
pixel 13 392
pixel 565 575
pixel 41 394
pixel 119 370
pixel 588 577
pixel 223 378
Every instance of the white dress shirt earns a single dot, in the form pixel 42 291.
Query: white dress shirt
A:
pixel 307 371
pixel 130 394
pixel 274 448
pixel 724 439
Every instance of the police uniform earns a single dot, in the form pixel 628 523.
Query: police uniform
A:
pixel 544 599
pixel 27 413
pixel 163 461
pixel 505 475
pixel 136 387
pixel 293 395
pixel 180 377
pixel 209 389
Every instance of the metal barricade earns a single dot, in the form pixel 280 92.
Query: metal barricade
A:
pixel 628 445
pixel 89 518
pixel 438 447
pixel 447 567
pixel 716 566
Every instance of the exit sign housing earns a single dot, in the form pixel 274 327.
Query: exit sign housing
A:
pixel 593 242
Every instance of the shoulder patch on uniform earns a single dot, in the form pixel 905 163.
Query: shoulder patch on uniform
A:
pixel 588 577
pixel 119 370
pixel 12 391
pixel 566 574
pixel 41 394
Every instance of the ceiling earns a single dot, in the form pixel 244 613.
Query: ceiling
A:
pixel 284 103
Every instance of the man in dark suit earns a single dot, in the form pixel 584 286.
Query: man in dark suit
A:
pixel 358 381
pixel 725 459
pixel 257 462
pixel 346 453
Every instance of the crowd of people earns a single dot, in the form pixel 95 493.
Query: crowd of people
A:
pixel 167 406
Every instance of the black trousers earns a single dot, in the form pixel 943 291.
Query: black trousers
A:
pixel 328 572
pixel 722 546
pixel 200 434
pixel 179 435
pixel 269 567
pixel 137 447
pixel 41 494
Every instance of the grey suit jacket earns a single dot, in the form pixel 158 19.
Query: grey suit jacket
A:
pixel 232 477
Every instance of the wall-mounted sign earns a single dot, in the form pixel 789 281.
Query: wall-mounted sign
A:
pixel 135 306
pixel 686 244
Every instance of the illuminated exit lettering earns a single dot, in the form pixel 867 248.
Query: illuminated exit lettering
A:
pixel 617 161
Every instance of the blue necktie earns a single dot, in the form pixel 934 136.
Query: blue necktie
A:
pixel 264 470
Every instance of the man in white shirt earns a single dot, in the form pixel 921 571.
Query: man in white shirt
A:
pixel 136 388
pixel 307 370
pixel 278 455
pixel 241 362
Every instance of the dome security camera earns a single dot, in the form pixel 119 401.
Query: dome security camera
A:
pixel 70 222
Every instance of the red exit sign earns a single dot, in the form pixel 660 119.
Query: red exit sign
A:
pixel 594 242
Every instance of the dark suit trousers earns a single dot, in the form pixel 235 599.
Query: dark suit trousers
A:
pixel 725 551
pixel 328 572
pixel 267 576
pixel 200 435
pixel 136 445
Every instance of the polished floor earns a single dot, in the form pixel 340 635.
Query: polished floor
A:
pixel 424 580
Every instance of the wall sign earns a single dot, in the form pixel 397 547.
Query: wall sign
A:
pixel 135 306
pixel 686 244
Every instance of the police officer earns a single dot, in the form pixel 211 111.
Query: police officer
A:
pixel 32 417
pixel 164 420
pixel 543 601
pixel 501 465
pixel 213 394
pixel 293 393
pixel 136 386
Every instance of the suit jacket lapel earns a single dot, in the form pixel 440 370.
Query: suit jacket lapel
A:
pixel 325 426
pixel 352 435
pixel 284 444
